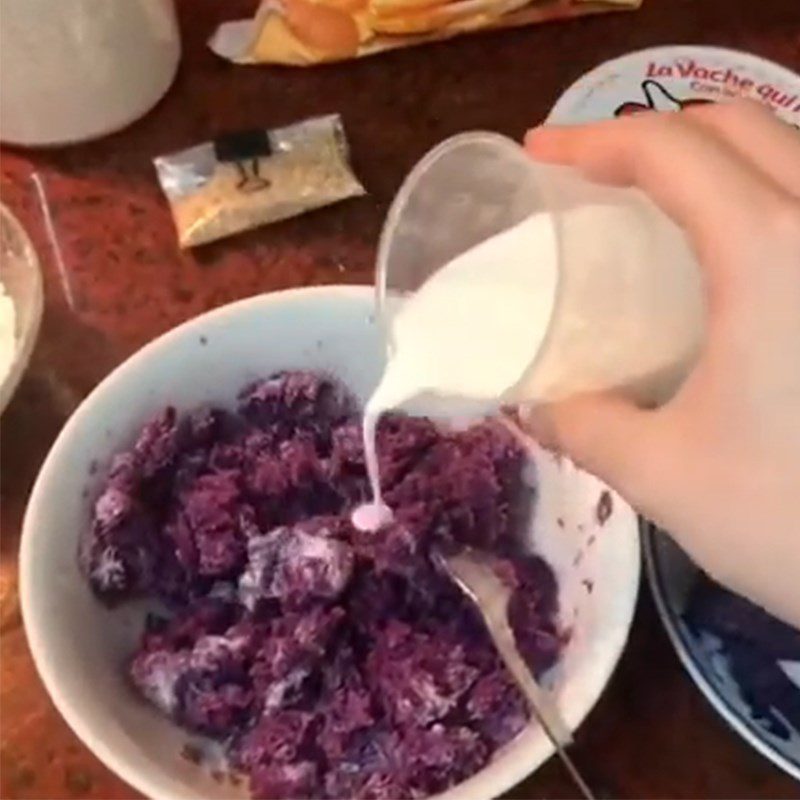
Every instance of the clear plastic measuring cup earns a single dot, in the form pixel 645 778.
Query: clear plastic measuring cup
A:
pixel 628 311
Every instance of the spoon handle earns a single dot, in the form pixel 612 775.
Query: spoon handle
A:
pixel 538 699
pixel 476 578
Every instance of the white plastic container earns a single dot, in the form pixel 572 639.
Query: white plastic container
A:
pixel 628 310
pixel 73 70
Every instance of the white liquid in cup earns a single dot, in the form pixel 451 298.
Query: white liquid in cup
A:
pixel 505 281
pixel 467 335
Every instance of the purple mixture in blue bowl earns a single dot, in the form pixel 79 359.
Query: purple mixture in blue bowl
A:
pixel 329 662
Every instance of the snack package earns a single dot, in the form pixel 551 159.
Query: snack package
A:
pixel 306 32
pixel 250 178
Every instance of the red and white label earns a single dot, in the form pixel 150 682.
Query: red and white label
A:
pixel 671 78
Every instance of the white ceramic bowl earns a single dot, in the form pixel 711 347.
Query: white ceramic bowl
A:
pixel 80 647
pixel 22 279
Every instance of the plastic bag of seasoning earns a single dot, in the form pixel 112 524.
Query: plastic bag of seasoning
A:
pixel 246 179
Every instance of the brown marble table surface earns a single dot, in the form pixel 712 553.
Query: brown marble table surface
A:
pixel 123 281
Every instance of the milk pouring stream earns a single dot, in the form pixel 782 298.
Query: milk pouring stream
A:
pixel 467 335
pixel 594 289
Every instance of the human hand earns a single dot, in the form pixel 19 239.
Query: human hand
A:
pixel 719 465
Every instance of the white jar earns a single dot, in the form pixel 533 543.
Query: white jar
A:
pixel 72 70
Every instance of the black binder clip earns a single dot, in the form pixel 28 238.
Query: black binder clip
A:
pixel 244 149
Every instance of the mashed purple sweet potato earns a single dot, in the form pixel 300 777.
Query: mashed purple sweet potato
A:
pixel 331 663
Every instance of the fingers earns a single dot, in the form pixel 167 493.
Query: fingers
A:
pixel 698 180
pixel 758 135
pixel 606 435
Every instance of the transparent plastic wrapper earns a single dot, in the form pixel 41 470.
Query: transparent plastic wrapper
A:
pixel 307 32
pixel 247 179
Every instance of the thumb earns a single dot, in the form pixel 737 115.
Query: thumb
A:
pixel 604 434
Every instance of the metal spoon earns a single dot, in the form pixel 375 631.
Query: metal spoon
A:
pixel 472 572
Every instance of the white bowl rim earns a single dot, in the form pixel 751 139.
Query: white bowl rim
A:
pixel 510 777
pixel 27 326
